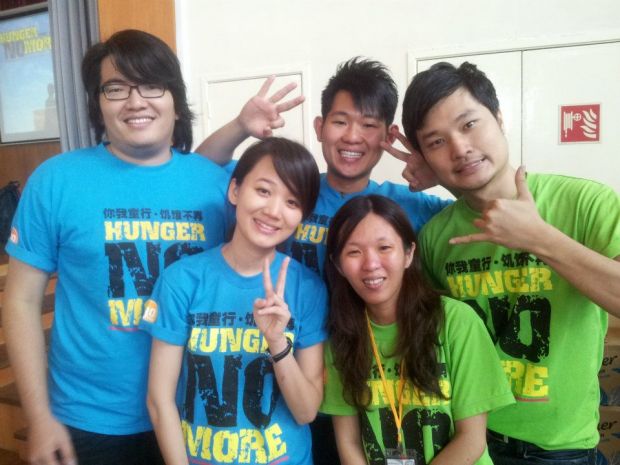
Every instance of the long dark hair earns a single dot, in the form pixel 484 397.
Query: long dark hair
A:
pixel 419 314
pixel 144 59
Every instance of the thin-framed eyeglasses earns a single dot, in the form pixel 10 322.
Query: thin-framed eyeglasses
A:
pixel 119 91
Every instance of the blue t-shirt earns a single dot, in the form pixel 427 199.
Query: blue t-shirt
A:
pixel 231 408
pixel 108 228
pixel 308 243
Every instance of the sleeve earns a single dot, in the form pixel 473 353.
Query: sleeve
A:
pixel 478 381
pixel 333 400
pixel 421 207
pixel 602 221
pixel 314 312
pixel 165 313
pixel 34 239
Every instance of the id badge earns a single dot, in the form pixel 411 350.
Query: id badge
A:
pixel 396 457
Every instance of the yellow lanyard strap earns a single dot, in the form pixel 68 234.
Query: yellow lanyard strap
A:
pixel 398 416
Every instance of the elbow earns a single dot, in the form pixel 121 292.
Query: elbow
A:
pixel 154 408
pixel 303 418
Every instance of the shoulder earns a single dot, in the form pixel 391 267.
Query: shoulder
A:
pixel 401 192
pixel 303 275
pixel 56 170
pixel 461 320
pixel 561 186
pixel 191 266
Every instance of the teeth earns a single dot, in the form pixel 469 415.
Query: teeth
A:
pixel 138 120
pixel 350 155
pixel 265 226
pixel 373 282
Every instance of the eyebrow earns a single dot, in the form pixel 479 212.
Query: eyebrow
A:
pixel 459 117
pixel 345 113
pixel 381 239
pixel 267 180
pixel 114 81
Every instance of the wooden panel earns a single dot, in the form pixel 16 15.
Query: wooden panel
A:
pixel 18 161
pixel 156 17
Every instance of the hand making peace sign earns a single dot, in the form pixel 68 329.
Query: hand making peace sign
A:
pixel 417 172
pixel 261 114
pixel 271 314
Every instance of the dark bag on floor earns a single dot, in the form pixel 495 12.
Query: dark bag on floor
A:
pixel 9 197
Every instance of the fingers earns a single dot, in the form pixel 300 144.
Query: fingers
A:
pixel 389 148
pixel 282 277
pixel 292 103
pixel 266 85
pixel 67 454
pixel 280 94
pixel 523 192
pixel 403 140
pixel 479 237
pixel 267 279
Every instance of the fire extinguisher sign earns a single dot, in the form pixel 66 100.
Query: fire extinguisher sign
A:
pixel 580 123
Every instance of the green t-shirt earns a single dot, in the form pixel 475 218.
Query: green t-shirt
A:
pixel 472 379
pixel 548 335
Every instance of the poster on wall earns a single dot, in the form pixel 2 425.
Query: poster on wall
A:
pixel 580 123
pixel 27 95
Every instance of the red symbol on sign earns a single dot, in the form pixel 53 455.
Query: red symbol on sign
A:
pixel 580 123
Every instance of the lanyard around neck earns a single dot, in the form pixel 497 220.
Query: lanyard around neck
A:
pixel 398 416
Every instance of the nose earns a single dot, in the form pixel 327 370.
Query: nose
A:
pixel 134 99
pixel 371 260
pixel 352 134
pixel 461 146
pixel 273 206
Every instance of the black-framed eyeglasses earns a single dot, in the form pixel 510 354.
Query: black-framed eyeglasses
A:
pixel 119 91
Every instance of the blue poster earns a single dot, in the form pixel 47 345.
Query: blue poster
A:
pixel 27 96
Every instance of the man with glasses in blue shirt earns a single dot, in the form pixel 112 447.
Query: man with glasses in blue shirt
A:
pixel 107 219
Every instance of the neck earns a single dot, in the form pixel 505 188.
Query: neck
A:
pixel 247 261
pixel 141 156
pixel 347 185
pixel 382 315
pixel 502 186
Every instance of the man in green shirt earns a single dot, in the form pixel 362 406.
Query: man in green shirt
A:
pixel 535 256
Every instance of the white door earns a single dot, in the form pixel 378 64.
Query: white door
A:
pixel 573 76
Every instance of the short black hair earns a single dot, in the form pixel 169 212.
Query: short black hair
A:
pixel 144 59
pixel 294 164
pixel 438 82
pixel 369 82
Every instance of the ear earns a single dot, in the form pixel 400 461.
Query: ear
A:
pixel 233 191
pixel 318 128
pixel 391 133
pixel 409 255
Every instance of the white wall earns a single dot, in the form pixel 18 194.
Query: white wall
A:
pixel 232 37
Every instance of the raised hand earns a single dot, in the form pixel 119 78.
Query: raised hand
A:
pixel 261 114
pixel 417 172
pixel 271 314
pixel 515 224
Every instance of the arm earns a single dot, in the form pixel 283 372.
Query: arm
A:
pixel 23 299
pixel 349 440
pixel 299 378
pixel 258 117
pixel 164 370
pixel 467 444
pixel 516 224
